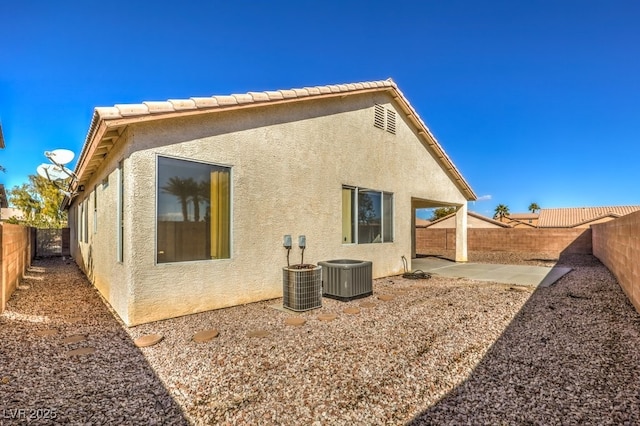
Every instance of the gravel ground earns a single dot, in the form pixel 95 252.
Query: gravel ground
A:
pixel 442 351
pixel 42 383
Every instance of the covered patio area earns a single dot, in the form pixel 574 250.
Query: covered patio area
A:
pixel 461 225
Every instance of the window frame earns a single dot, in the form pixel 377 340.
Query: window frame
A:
pixel 85 220
pixel 95 209
pixel 384 195
pixel 120 213
pixel 231 193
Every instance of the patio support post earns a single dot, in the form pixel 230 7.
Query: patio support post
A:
pixel 413 232
pixel 461 233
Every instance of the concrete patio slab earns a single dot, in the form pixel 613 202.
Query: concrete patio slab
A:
pixel 527 275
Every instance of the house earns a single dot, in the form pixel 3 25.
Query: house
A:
pixel 422 223
pixel 474 220
pixel 7 212
pixel 520 220
pixel 182 205
pixel 525 218
pixel 581 217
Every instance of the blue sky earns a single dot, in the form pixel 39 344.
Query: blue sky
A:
pixel 534 101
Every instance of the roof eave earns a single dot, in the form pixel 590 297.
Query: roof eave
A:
pixel 428 138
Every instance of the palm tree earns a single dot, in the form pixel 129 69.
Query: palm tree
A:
pixel 501 212
pixel 533 207
pixel 181 189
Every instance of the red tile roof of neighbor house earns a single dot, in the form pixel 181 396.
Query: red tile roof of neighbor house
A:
pixel 570 217
pixel 524 216
pixel 422 223
pixel 108 123
pixel 473 214
pixel 514 223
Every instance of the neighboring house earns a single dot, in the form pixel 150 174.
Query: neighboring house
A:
pixel 422 223
pixel 526 218
pixel 9 212
pixel 182 205
pixel 515 223
pixel 474 220
pixel 581 217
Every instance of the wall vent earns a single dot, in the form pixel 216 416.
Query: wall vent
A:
pixel 384 119
pixel 378 119
pixel 391 121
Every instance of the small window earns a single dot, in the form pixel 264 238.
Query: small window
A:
pixel 120 213
pixel 85 220
pixel 367 216
pixel 80 215
pixel 95 209
pixel 193 211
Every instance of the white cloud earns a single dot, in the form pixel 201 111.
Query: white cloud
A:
pixel 484 198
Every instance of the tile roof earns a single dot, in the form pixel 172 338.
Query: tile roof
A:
pixel 513 223
pixel 175 105
pixel 421 223
pixel 570 217
pixel 524 216
pixel 108 123
pixel 473 214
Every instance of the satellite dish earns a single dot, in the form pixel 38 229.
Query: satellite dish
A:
pixel 51 172
pixel 60 156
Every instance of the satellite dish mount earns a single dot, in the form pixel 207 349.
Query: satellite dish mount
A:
pixel 57 172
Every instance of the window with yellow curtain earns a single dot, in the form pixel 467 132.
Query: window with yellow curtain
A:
pixel 193 212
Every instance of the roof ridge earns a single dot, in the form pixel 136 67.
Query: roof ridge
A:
pixel 218 101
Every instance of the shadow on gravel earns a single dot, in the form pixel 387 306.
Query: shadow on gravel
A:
pixel 54 312
pixel 569 356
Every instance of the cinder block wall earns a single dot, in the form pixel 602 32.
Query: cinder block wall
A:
pixel 15 257
pixel 540 240
pixel 617 245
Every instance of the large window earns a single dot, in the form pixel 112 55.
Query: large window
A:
pixel 367 216
pixel 193 216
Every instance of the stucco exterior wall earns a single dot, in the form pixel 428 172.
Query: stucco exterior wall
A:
pixel 98 256
pixel 289 163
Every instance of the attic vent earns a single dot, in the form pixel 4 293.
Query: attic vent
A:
pixel 378 119
pixel 384 118
pixel 391 121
